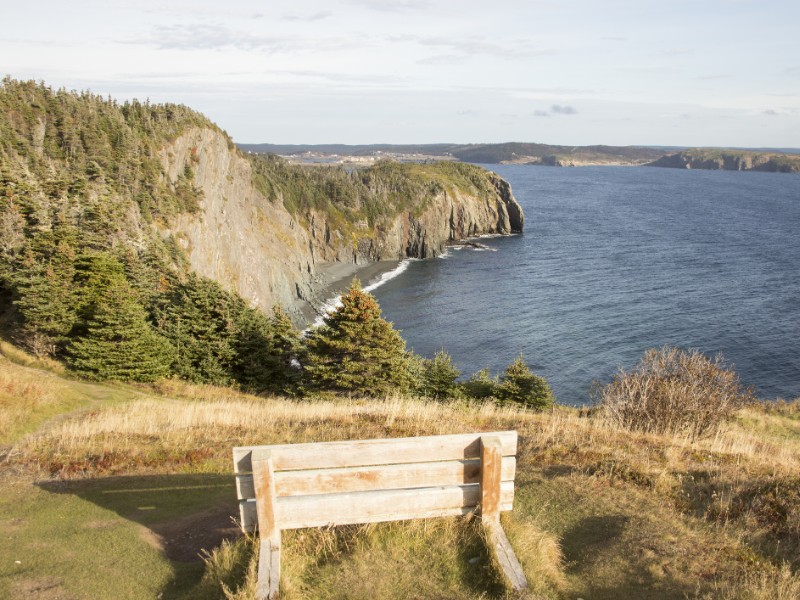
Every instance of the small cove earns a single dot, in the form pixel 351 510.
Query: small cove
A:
pixel 613 261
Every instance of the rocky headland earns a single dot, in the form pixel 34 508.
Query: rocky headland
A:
pixel 257 247
pixel 730 160
pixel 157 192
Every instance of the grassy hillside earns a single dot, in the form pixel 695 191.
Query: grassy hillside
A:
pixel 101 484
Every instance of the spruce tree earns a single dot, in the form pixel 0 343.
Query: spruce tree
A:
pixel 439 376
pixel 119 343
pixel 481 385
pixel 519 386
pixel 46 299
pixel 266 349
pixel 356 350
pixel 200 319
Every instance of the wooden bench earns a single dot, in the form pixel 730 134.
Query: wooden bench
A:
pixel 338 483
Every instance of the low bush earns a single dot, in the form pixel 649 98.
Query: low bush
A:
pixel 674 391
pixel 480 386
pixel 519 386
pixel 439 376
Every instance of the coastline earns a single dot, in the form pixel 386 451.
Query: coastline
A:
pixel 334 279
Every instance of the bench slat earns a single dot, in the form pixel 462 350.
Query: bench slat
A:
pixel 388 451
pixel 384 477
pixel 371 507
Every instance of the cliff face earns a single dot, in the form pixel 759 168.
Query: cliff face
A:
pixel 729 161
pixel 258 248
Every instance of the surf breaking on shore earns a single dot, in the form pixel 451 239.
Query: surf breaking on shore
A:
pixel 378 275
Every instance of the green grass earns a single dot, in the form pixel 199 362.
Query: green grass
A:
pixel 618 543
pixel 100 538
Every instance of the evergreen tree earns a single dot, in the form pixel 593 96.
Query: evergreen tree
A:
pixel 266 350
pixel 46 299
pixel 518 385
pixel 201 320
pixel 439 377
pixel 356 350
pixel 480 385
pixel 95 273
pixel 119 343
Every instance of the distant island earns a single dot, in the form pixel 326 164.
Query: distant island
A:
pixel 777 160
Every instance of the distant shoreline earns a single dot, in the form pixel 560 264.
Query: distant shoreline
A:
pixel 707 158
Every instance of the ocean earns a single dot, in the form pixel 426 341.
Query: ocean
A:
pixel 613 261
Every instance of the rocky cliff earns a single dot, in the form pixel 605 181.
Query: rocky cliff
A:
pixel 729 160
pixel 254 245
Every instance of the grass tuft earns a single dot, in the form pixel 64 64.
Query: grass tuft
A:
pixel 231 571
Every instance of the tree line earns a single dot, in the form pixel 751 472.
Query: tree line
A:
pixel 199 332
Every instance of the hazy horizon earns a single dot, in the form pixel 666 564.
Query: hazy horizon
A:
pixel 795 150
pixel 725 73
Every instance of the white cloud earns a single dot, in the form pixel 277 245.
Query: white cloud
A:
pixel 558 109
pixel 393 5
pixel 416 70
pixel 307 18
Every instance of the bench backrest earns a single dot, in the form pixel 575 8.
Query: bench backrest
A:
pixel 366 481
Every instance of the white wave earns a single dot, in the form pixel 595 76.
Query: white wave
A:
pixel 331 304
pixel 327 307
pixel 389 275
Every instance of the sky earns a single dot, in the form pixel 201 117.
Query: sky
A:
pixel 571 72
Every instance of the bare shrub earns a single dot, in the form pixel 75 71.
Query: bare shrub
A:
pixel 673 391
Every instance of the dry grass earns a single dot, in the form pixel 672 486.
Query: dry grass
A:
pixel 436 559
pixel 30 397
pixel 161 431
pixel 777 583
pixel 715 491
pixel 539 553
pixel 23 394
pixel 231 571
pixel 18 356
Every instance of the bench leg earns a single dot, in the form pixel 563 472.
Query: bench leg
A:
pixel 269 558
pixel 499 546
pixel 503 553
pixel 269 567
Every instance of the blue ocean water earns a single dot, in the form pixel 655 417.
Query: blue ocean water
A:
pixel 615 260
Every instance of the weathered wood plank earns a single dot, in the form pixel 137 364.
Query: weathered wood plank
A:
pixel 264 567
pixel 384 477
pixel 372 452
pixel 264 483
pixel 275 569
pixel 491 476
pixel 503 553
pixel 269 568
pixel 372 507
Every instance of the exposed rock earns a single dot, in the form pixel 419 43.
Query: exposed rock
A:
pixel 732 160
pixel 262 251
